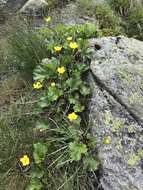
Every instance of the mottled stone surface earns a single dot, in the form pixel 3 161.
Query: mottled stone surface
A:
pixel 11 6
pixel 116 111
pixel 34 7
pixel 68 15
pixel 119 65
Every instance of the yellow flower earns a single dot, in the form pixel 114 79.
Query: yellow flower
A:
pixel 53 84
pixel 73 45
pixel 48 19
pixel 61 70
pixel 25 160
pixel 58 49
pixel 72 116
pixel 69 38
pixel 37 85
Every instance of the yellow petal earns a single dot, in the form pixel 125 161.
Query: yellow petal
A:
pixel 61 70
pixel 37 85
pixel 25 160
pixel 69 38
pixel 73 45
pixel 53 84
pixel 72 116
pixel 58 48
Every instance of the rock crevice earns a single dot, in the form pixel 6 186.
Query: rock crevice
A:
pixel 102 86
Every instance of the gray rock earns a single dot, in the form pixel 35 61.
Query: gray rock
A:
pixel 116 110
pixel 69 15
pixel 11 6
pixel 34 7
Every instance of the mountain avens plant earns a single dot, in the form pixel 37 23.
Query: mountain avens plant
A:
pixel 63 153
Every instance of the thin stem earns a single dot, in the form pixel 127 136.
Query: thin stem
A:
pixel 57 151
pixel 69 178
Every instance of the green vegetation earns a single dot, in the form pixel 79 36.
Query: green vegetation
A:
pixel 108 21
pixel 135 23
pixel 56 3
pixel 122 7
pixel 116 17
pixel 16 138
pixel 62 145
pixel 28 47
pixel 67 144
pixel 132 16
pixel 45 137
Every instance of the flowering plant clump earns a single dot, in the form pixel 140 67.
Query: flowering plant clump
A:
pixel 67 144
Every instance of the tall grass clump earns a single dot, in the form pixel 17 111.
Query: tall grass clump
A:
pixel 27 49
pixel 104 15
pixel 56 3
pixel 131 12
pixel 116 16
pixel 16 138
pixel 135 23
pixel 122 7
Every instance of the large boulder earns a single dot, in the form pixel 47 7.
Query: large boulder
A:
pixel 34 7
pixel 116 111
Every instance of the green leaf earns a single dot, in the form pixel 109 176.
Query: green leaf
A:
pixel 52 64
pixel 73 133
pixel 42 126
pixel 77 121
pixel 35 184
pixel 90 163
pixel 92 141
pixel 40 74
pixel 74 83
pixel 82 67
pixel 78 107
pixel 66 59
pixel 85 90
pixel 76 150
pixel 43 102
pixel 40 150
pixel 74 99
pixel 36 173
pixel 54 93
